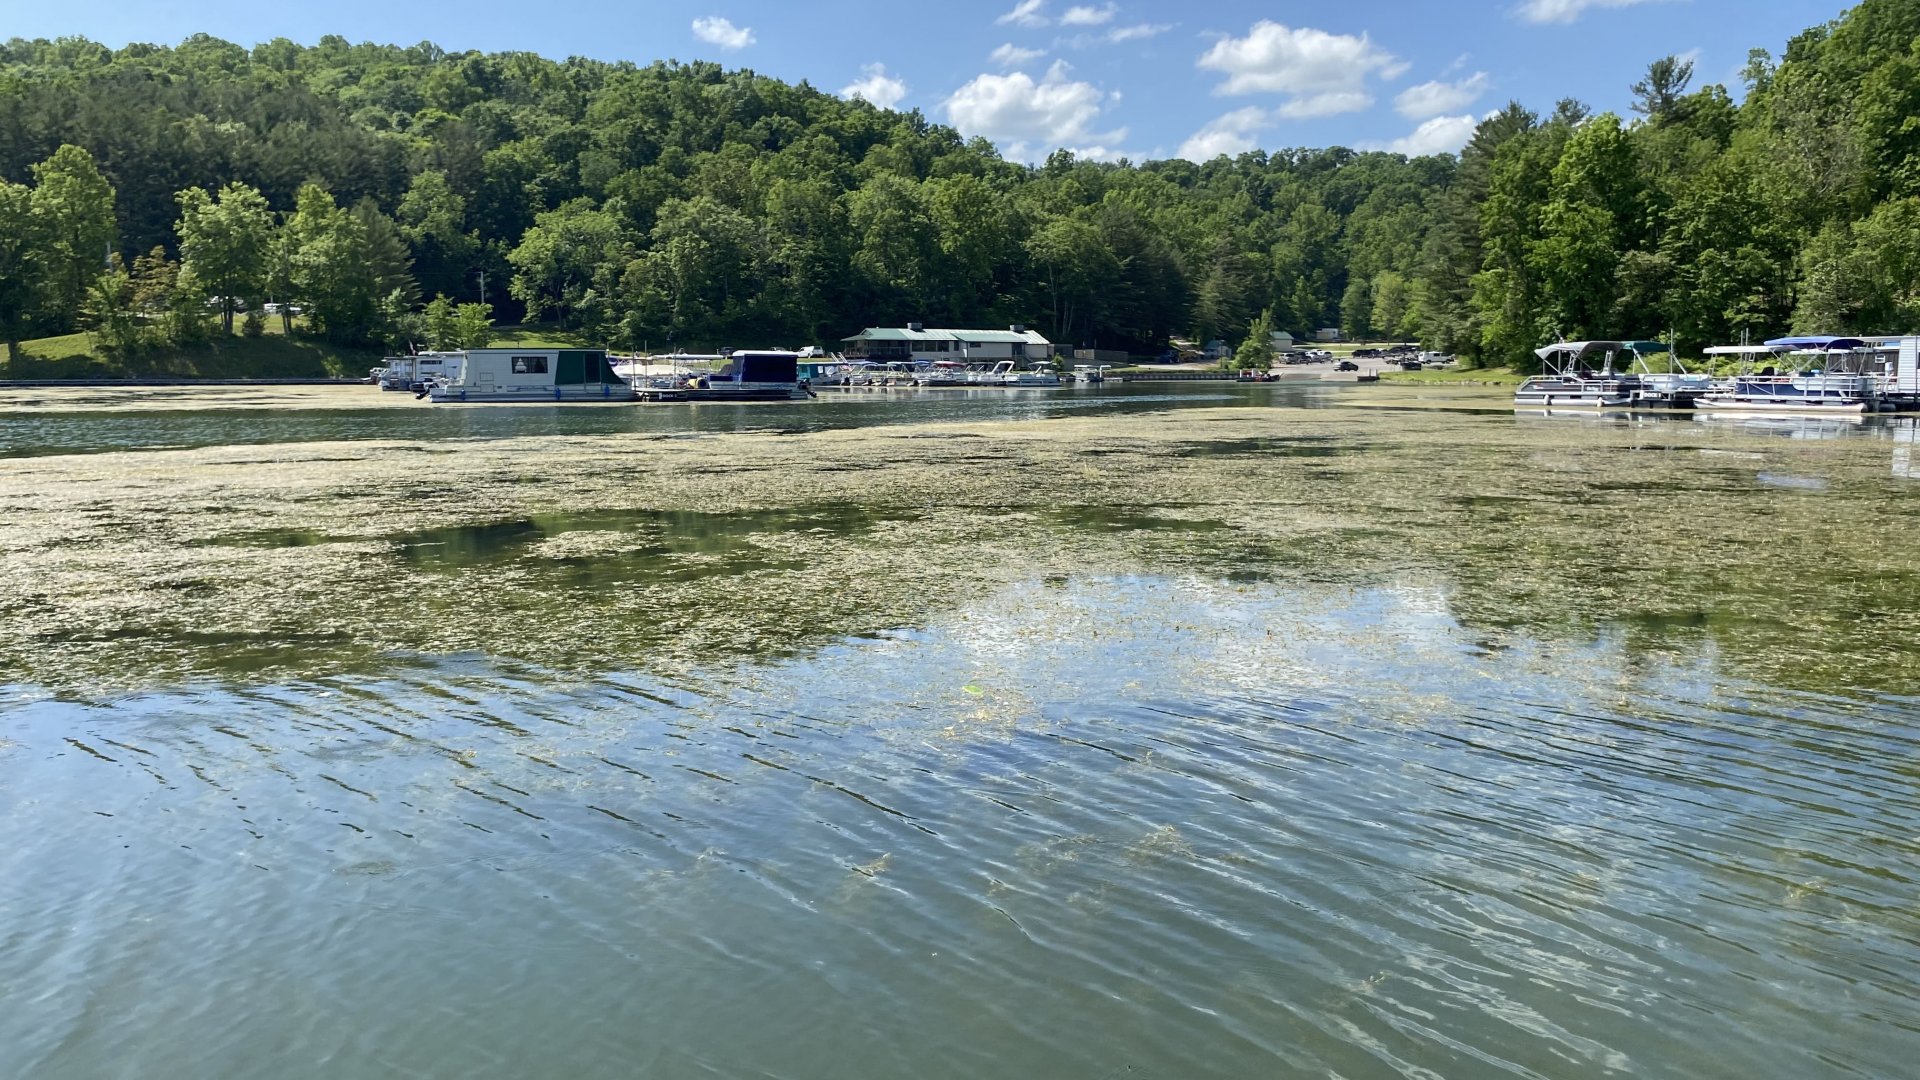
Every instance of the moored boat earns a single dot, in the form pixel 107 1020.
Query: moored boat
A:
pixel 1838 384
pixel 1569 378
pixel 534 375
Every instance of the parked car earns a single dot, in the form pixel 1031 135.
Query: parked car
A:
pixel 1411 365
pixel 1346 365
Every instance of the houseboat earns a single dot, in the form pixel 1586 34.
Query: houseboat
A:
pixel 1579 374
pixel 418 371
pixel 504 375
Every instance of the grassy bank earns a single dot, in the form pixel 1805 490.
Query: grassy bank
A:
pixel 1468 377
pixel 270 356
pixel 273 355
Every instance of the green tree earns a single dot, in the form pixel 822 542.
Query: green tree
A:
pixel 570 261
pixel 387 256
pixel 73 230
pixel 1256 351
pixel 442 324
pixel 1392 303
pixel 109 315
pixel 473 325
pixel 1356 309
pixel 1658 94
pixel 331 269
pixel 1593 216
pixel 19 268
pixel 224 241
pixel 433 220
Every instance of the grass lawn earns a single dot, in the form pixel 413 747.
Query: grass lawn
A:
pixel 1468 377
pixel 541 336
pixel 270 356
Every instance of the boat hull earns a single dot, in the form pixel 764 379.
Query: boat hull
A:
pixel 1571 399
pixel 1780 405
pixel 600 392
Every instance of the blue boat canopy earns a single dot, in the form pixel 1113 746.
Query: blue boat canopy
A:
pixel 1817 341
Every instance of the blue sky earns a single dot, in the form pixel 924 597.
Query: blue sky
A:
pixel 1140 78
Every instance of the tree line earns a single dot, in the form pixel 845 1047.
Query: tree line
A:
pixel 149 189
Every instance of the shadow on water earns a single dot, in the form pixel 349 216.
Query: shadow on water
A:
pixel 1290 446
pixel 1127 519
pixel 646 535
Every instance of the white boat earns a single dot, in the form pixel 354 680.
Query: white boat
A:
pixel 419 371
pixel 1839 384
pixel 1090 373
pixel 944 373
pixel 1674 388
pixel 1030 377
pixel 1568 378
pixel 531 375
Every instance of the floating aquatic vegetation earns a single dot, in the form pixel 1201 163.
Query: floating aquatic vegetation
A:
pixel 615 550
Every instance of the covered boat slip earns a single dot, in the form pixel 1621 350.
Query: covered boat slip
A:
pixel 535 375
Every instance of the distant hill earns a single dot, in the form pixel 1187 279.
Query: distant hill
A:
pixel 637 202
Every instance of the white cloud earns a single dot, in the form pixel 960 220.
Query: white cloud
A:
pixel 1086 15
pixel 1322 74
pixel 1319 105
pixel 1025 13
pixel 1566 11
pixel 717 31
pixel 1231 134
pixel 1011 55
pixel 1439 135
pixel 1436 98
pixel 1014 109
pixel 876 87
pixel 1138 32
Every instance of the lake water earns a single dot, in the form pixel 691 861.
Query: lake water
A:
pixel 1344 742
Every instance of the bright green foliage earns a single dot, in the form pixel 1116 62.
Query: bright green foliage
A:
pixel 19 271
pixel 570 262
pixel 224 242
pixel 331 270
pixel 1256 351
pixel 1591 218
pixel 73 231
pixel 442 326
pixel 109 314
pixel 473 325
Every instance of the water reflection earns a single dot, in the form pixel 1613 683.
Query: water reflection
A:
pixel 41 433
pixel 1099 825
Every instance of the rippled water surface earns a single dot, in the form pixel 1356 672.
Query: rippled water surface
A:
pixel 1436 785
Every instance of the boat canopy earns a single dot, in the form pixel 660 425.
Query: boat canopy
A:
pixel 1647 346
pixel 1579 348
pixel 1744 350
pixel 1821 342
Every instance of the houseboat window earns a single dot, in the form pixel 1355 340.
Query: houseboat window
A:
pixel 529 365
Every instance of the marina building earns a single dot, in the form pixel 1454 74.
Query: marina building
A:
pixel 914 342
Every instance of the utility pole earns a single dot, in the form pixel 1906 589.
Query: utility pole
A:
pixel 483 286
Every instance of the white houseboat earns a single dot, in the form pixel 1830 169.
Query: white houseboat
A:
pixel 495 375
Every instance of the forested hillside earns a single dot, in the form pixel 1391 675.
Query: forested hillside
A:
pixel 720 207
